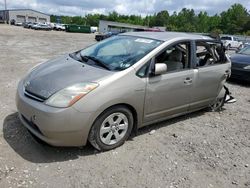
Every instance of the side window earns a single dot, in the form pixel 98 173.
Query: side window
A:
pixel 209 53
pixel 176 57
pixel 143 72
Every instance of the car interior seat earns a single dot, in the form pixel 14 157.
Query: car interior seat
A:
pixel 174 61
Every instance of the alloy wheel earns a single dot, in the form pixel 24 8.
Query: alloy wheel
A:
pixel 114 128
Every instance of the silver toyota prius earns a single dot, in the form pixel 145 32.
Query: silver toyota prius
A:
pixel 106 91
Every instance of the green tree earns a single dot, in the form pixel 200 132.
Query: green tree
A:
pixel 202 25
pixel 247 33
pixel 161 18
pixel 214 23
pixel 234 19
pixel 186 20
pixel 113 16
pixel 92 19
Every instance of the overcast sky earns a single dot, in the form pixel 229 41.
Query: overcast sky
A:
pixel 143 7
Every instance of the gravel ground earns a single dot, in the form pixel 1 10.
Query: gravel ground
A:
pixel 203 149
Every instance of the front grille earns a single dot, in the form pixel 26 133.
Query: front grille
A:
pixel 33 96
pixel 32 125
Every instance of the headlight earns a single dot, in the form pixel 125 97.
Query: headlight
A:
pixel 247 67
pixel 70 95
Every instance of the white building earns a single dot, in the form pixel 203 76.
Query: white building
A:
pixel 23 15
pixel 108 26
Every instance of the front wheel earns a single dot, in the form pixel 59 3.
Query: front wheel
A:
pixel 112 128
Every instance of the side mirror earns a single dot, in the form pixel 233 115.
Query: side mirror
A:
pixel 160 68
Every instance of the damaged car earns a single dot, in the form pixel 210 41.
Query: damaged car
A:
pixel 103 93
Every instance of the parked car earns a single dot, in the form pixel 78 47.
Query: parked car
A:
pixel 241 64
pixel 35 26
pixel 104 92
pixel 27 25
pixel 103 36
pixel 18 23
pixel 12 22
pixel 40 26
pixel 231 42
pixel 246 42
pixel 45 27
pixel 59 27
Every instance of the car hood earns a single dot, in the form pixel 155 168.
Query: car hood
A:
pixel 240 58
pixel 52 76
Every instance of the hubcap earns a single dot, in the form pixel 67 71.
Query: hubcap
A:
pixel 114 128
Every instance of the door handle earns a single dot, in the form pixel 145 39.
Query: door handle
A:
pixel 188 81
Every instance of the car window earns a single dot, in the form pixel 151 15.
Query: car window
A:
pixel 117 48
pixel 245 51
pixel 143 72
pixel 209 53
pixel 119 52
pixel 225 38
pixel 176 57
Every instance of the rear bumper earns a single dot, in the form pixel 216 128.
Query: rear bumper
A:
pixel 55 126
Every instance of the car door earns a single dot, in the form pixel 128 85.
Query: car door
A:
pixel 209 76
pixel 169 94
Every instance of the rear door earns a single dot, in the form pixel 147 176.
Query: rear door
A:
pixel 212 69
pixel 169 94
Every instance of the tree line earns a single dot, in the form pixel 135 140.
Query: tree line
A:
pixel 235 20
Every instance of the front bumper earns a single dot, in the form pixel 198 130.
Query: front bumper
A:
pixel 55 126
pixel 240 74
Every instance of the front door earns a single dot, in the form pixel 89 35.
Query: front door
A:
pixel 169 94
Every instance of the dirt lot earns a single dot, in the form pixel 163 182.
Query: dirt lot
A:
pixel 203 149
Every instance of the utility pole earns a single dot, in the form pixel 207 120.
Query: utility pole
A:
pixel 5 4
pixel 5 12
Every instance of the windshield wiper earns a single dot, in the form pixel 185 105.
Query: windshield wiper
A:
pixel 97 61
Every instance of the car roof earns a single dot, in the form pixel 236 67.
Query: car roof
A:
pixel 165 36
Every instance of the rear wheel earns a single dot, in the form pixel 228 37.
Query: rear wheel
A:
pixel 112 128
pixel 217 104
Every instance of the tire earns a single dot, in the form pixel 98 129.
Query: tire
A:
pixel 112 128
pixel 217 105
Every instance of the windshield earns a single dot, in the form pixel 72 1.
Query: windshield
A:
pixel 117 53
pixel 245 51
